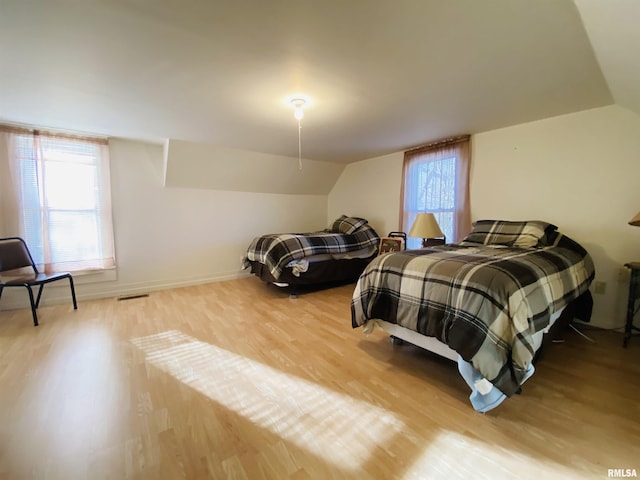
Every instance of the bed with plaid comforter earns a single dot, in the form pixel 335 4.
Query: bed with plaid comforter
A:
pixel 275 251
pixel 485 302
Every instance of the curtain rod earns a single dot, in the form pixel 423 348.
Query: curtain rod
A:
pixel 49 133
pixel 439 143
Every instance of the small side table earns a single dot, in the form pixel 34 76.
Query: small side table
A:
pixel 634 293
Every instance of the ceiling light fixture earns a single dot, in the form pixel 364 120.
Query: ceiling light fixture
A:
pixel 298 103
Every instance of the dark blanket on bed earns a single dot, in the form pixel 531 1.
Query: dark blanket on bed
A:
pixel 485 302
pixel 275 251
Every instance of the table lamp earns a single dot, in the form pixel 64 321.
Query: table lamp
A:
pixel 426 227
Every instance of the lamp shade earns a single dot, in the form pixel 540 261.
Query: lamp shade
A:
pixel 635 221
pixel 425 226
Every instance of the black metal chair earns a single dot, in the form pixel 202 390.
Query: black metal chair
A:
pixel 14 255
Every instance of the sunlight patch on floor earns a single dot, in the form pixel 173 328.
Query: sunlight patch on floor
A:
pixel 335 427
pixel 454 455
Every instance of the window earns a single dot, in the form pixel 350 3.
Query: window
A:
pixel 435 180
pixel 60 199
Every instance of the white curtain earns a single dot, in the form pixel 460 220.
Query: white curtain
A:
pixel 436 180
pixel 9 204
pixel 55 192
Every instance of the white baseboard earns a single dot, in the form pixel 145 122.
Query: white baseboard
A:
pixel 58 292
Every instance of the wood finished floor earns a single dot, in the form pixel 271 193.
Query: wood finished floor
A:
pixel 237 380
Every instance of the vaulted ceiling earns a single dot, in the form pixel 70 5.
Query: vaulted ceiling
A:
pixel 382 76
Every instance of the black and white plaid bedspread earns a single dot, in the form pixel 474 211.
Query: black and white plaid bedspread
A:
pixel 485 302
pixel 277 250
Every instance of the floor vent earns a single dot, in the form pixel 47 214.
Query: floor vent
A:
pixel 131 297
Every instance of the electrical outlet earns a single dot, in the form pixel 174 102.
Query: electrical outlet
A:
pixel 599 288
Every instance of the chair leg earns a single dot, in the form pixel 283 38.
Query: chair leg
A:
pixel 1 289
pixel 33 306
pixel 73 293
pixel 39 294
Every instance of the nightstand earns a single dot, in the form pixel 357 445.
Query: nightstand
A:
pixel 634 292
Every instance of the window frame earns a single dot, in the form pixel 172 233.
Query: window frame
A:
pixel 29 155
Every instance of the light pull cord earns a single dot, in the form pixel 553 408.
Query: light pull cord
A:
pixel 299 145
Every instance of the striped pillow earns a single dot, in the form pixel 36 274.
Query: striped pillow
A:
pixel 525 234
pixel 347 225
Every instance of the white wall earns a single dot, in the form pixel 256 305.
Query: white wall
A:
pixel 370 189
pixel 190 234
pixel 201 165
pixel 578 171
pixel 167 237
